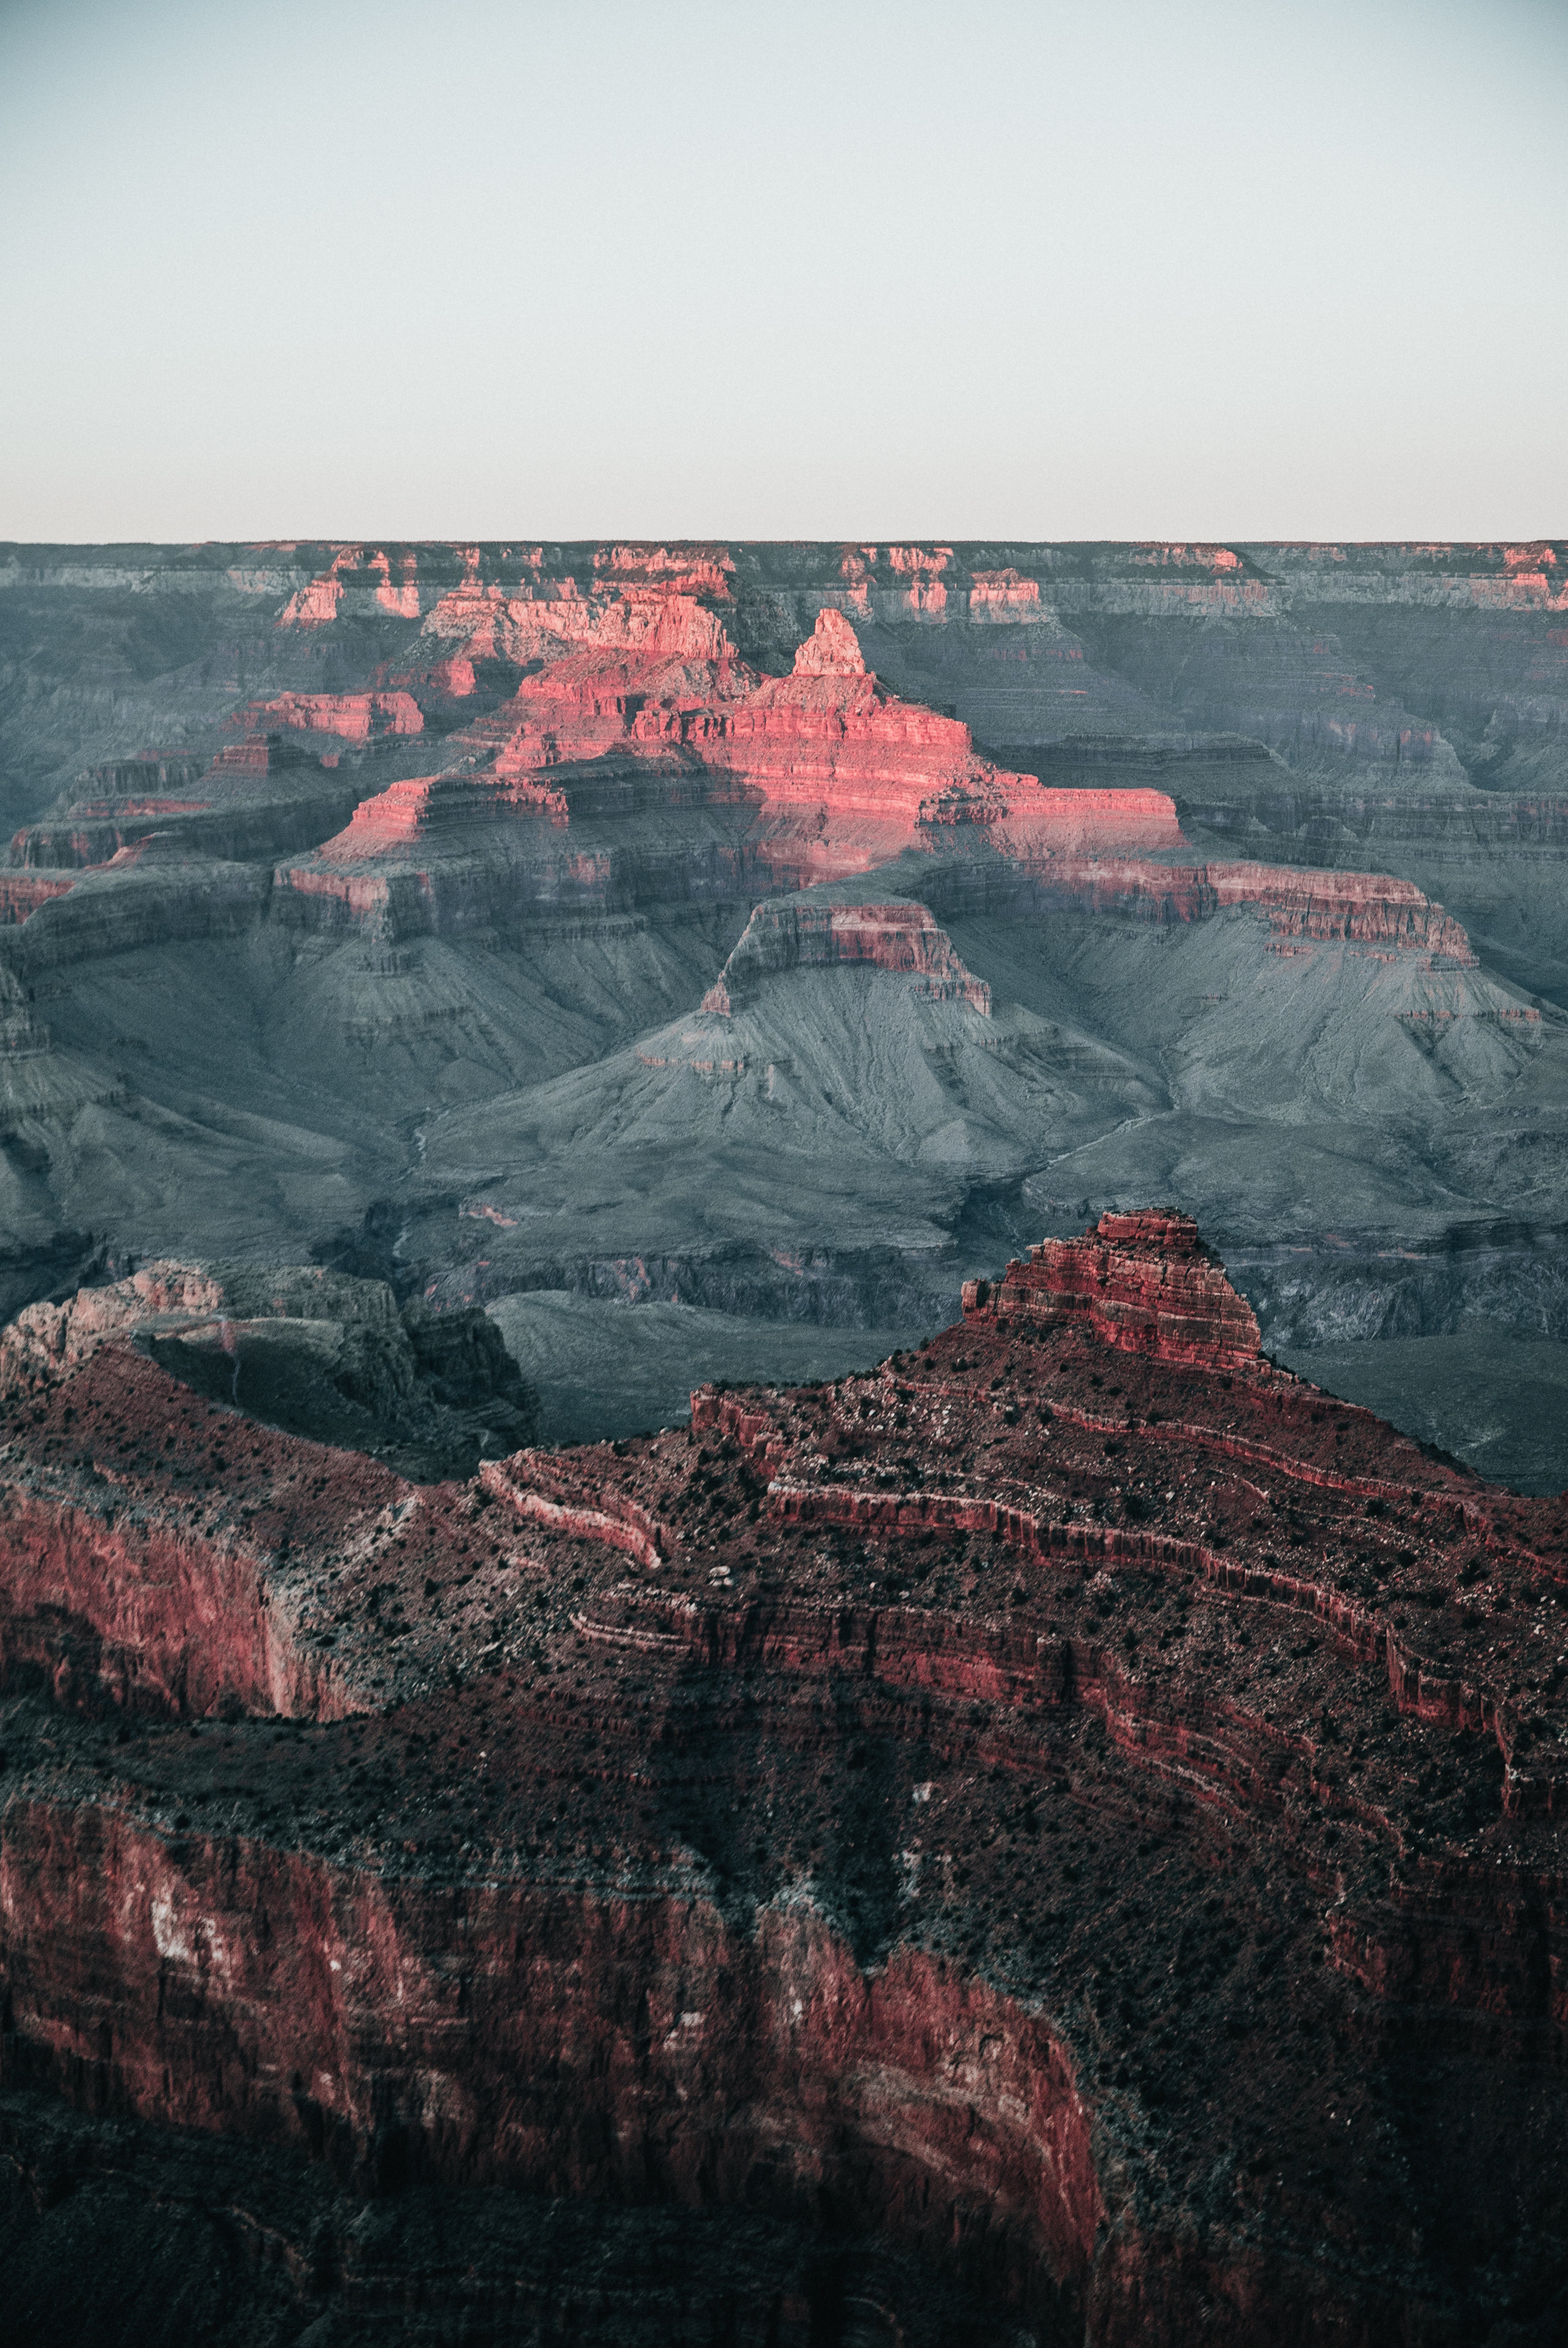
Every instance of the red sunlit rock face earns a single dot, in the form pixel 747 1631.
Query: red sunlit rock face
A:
pixel 353 716
pixel 636 727
pixel 601 744
pixel 1017 1820
pixel 1144 1282
pixel 638 710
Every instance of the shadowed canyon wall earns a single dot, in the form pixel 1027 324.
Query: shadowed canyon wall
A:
pixel 1063 1830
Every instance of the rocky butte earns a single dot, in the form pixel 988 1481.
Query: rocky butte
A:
pixel 1055 1838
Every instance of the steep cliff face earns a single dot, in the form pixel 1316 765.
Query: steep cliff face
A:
pixel 796 935
pixel 659 620
pixel 1369 907
pixel 1144 1282
pixel 1034 1808
pixel 351 717
pixel 835 2069
pixel 368 582
pixel 675 769
pixel 140 898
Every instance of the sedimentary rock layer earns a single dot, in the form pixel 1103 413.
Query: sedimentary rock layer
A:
pixel 1142 1281
pixel 755 780
pixel 1041 1805
pixel 900 937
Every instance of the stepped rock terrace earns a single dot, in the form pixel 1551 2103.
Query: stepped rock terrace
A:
pixel 1030 1813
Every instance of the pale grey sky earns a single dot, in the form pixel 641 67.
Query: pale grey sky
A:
pixel 451 268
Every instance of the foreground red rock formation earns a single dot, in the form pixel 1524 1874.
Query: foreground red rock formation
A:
pixel 1078 1806
pixel 1142 1281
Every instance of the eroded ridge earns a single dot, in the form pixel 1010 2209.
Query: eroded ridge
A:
pixel 1078 1806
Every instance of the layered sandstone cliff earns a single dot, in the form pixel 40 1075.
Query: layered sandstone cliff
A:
pixel 1369 907
pixel 1144 1282
pixel 803 935
pixel 1035 1805
pixel 675 769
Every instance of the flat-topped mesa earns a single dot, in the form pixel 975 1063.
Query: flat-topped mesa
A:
pixel 900 937
pixel 1143 1281
pixel 1374 908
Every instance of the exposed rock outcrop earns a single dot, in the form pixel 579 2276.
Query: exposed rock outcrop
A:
pixel 1144 1282
pixel 1035 1806
pixel 145 895
pixel 796 935
pixel 256 797
pixel 643 713
pixel 1371 907
pixel 317 1352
